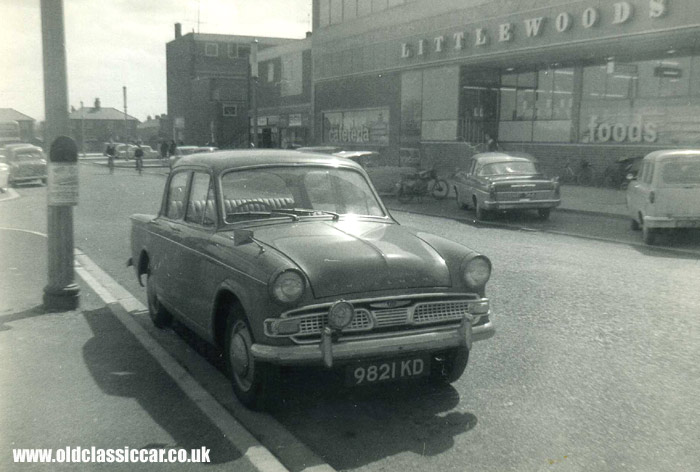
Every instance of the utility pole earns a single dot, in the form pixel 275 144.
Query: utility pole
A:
pixel 61 293
pixel 254 90
pixel 126 129
pixel 82 128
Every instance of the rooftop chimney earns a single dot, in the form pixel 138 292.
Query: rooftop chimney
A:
pixel 97 104
pixel 178 30
pixel 308 34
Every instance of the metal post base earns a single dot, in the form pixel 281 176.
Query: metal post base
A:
pixel 62 298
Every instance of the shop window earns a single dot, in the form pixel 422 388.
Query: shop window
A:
pixel 614 81
pixel 543 100
pixel 525 104
pixel 336 12
pixel 563 94
pixel 411 106
pixel 357 126
pixel 211 49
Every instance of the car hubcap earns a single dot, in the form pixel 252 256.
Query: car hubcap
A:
pixel 240 357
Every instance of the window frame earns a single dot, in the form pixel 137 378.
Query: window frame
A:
pixel 207 47
pixel 167 197
pixel 229 105
pixel 211 190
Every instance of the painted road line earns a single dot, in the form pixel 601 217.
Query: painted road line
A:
pixel 258 455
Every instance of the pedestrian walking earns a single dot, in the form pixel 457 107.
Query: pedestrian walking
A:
pixel 491 144
pixel 138 154
pixel 164 148
pixel 110 153
pixel 173 148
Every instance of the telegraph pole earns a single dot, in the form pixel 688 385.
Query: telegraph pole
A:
pixel 61 293
pixel 126 129
pixel 82 128
pixel 254 92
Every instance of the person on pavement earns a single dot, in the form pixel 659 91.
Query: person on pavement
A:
pixel 164 148
pixel 491 144
pixel 110 152
pixel 138 154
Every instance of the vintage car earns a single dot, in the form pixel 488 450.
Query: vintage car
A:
pixel 665 195
pixel 126 151
pixel 282 258
pixel 25 163
pixel 500 181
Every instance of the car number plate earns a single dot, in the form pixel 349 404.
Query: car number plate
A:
pixel 366 373
pixel 527 196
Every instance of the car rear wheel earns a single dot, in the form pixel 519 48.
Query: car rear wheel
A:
pixel 460 203
pixel 450 366
pixel 544 213
pixel 160 317
pixel 481 213
pixel 405 196
pixel 440 189
pixel 254 383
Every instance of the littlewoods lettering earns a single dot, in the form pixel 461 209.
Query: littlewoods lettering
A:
pixel 622 12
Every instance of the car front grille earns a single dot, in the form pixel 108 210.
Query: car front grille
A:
pixel 367 318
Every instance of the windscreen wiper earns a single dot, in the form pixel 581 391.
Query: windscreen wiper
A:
pixel 264 213
pixel 308 211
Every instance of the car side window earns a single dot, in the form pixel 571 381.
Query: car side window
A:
pixel 177 195
pixel 200 209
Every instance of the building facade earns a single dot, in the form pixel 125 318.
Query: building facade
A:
pixel 22 132
pixel 284 95
pixel 208 87
pixel 92 127
pixel 562 79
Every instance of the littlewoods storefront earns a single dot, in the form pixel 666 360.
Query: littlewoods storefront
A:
pixel 579 79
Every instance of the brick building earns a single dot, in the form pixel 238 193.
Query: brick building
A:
pixel 91 127
pixel 26 124
pixel 208 86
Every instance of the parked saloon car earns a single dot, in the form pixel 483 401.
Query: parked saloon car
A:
pixel 285 258
pixel 665 195
pixel 497 181
pixel 25 163
pixel 187 150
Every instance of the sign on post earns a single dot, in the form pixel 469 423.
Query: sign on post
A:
pixel 63 172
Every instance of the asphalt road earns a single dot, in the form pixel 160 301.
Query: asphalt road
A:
pixel 595 365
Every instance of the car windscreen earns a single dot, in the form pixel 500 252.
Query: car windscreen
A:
pixel 684 170
pixel 509 167
pixel 304 190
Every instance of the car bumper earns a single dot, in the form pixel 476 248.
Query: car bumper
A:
pixel 520 204
pixel 666 222
pixel 390 345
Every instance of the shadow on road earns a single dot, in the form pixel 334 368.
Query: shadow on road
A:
pixel 22 315
pixel 122 367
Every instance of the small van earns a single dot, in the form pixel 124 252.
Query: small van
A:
pixel 665 195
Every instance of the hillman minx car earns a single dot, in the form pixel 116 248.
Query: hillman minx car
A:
pixel 288 258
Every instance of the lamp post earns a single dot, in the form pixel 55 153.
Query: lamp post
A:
pixel 82 128
pixel 254 92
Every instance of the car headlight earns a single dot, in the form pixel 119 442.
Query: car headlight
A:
pixel 288 287
pixel 341 314
pixel 477 271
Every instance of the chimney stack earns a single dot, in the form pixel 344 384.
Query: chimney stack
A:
pixel 97 104
pixel 178 30
pixel 308 34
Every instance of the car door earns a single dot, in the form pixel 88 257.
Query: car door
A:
pixel 172 275
pixel 197 230
pixel 638 191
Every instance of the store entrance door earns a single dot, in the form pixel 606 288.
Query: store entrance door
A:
pixel 479 113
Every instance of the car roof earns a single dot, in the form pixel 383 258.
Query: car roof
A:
pixel 228 159
pixel 671 154
pixel 491 157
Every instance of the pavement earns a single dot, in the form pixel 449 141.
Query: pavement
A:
pixel 91 377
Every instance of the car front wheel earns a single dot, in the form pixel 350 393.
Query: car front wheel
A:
pixel 160 317
pixel 253 382
pixel 544 213
pixel 450 366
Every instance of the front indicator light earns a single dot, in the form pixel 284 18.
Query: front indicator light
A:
pixel 479 308
pixel 283 327
pixel 340 315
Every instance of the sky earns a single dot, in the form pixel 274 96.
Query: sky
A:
pixel 116 43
